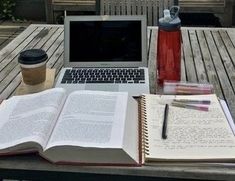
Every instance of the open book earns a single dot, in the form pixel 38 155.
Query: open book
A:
pixel 192 135
pixel 90 127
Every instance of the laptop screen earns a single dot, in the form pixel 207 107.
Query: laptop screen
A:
pixel 103 41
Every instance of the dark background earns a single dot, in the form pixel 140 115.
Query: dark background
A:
pixel 25 9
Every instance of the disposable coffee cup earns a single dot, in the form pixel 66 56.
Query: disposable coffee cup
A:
pixel 33 66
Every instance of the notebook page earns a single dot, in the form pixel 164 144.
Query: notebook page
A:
pixel 191 134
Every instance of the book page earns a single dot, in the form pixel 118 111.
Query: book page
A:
pixel 191 134
pixel 91 119
pixel 29 118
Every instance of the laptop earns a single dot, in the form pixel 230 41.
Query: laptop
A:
pixel 112 47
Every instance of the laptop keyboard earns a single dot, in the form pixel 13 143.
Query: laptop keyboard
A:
pixel 98 75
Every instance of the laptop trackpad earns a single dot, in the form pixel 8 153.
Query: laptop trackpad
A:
pixel 101 87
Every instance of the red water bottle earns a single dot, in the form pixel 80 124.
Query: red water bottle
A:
pixel 169 46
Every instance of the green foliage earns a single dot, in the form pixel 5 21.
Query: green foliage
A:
pixel 6 9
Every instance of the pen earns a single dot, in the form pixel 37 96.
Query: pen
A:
pixel 164 126
pixel 189 101
pixel 193 89
pixel 188 106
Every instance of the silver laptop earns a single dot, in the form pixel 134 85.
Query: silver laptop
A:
pixel 102 53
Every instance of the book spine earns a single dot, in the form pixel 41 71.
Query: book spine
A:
pixel 145 144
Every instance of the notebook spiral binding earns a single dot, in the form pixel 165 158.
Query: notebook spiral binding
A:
pixel 145 144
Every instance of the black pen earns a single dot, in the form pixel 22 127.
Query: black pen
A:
pixel 164 125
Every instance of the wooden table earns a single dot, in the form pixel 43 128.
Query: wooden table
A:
pixel 208 55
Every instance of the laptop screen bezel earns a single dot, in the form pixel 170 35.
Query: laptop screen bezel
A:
pixel 142 63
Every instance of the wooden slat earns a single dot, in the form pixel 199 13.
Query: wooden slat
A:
pixel 6 33
pixel 183 71
pixel 45 36
pixel 73 2
pixel 102 7
pixel 149 12
pixel 54 48
pixel 221 38
pixel 57 52
pixel 155 12
pixel 189 63
pixel 106 7
pixel 54 41
pixel 11 88
pixel 41 34
pixel 161 8
pixel 7 41
pixel 153 9
pixel 52 6
pixel 40 41
pixel 231 34
pixel 123 7
pixel 209 66
pixel 165 4
pixel 118 7
pixel 133 7
pixel 10 61
pixel 112 7
pixel 224 81
pixel 139 7
pixel 229 43
pixel 13 60
pixel 58 66
pixel 152 58
pixel 144 8
pixel 43 43
pixel 16 42
pixel 202 3
pixel 128 7
pixel 7 38
pixel 200 69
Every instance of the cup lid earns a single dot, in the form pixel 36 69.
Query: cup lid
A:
pixel 32 56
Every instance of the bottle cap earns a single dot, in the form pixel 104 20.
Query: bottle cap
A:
pixel 167 16
pixel 170 21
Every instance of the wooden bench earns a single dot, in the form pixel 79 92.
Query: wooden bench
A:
pixel 221 8
pixel 153 9
pixel 53 6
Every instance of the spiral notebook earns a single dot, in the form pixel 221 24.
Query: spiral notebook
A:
pixel 192 135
